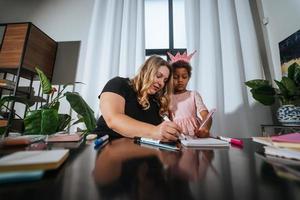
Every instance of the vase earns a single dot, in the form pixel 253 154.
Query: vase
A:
pixel 289 115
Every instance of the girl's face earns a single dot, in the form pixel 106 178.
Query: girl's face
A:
pixel 180 80
pixel 160 79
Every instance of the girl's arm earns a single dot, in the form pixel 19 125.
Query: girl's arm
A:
pixel 203 113
pixel 112 107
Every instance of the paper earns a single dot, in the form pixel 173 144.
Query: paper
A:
pixel 33 160
pixel 203 142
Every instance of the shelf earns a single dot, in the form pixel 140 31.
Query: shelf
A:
pixel 3 122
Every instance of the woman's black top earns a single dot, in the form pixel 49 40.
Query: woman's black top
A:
pixel 123 87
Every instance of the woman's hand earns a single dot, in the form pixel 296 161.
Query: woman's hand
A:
pixel 167 131
pixel 202 132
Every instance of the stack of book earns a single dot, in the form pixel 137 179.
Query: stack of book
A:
pixel 283 153
pixel 285 146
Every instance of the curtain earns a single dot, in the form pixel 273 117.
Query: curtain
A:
pixel 223 33
pixel 116 46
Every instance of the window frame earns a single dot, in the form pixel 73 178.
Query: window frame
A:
pixel 171 49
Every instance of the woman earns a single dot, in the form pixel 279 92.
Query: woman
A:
pixel 134 107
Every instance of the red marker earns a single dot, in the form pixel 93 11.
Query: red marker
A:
pixel 231 140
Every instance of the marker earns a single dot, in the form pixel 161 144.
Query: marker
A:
pixel 231 140
pixel 157 143
pixel 98 142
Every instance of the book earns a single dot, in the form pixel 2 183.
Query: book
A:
pixel 33 160
pixel 203 142
pixel 282 152
pixel 22 140
pixel 66 137
pixel 20 176
pixel 270 142
pixel 288 138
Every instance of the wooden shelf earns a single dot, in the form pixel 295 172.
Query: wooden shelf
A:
pixel 26 46
pixel 3 122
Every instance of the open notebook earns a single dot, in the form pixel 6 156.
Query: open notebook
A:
pixel 190 141
pixel 33 160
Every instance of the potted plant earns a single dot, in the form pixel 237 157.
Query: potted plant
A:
pixel 46 119
pixel 287 93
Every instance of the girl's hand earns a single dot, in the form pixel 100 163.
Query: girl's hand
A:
pixel 202 132
pixel 167 131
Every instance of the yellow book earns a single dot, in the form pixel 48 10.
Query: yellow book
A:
pixel 33 160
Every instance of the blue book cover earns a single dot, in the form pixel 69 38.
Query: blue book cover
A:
pixel 20 176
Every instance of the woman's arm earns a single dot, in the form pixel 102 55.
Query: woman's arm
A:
pixel 112 107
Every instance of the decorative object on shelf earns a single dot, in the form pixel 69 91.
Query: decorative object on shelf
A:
pixel 289 115
pixel 288 93
pixel 47 120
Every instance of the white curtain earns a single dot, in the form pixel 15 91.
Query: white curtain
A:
pixel 223 33
pixel 116 45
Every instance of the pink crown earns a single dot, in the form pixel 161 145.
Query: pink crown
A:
pixel 183 57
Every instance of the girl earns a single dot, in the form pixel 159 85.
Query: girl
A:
pixel 187 108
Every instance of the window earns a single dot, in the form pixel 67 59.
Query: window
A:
pixel 164 27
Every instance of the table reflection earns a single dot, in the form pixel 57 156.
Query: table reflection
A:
pixel 123 168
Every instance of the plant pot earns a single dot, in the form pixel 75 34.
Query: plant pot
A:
pixel 289 115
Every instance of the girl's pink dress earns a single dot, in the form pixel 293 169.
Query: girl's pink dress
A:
pixel 184 109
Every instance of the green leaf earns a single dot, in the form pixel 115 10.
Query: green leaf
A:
pixel 291 71
pixel 289 85
pixel 296 77
pixel 82 108
pixel 264 94
pixel 32 122
pixel 282 89
pixel 46 85
pixel 63 121
pixel 256 83
pixel 55 105
pixel 49 121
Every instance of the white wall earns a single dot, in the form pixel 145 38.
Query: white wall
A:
pixel 62 20
pixel 283 18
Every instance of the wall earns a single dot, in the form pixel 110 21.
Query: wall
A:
pixel 62 20
pixel 283 19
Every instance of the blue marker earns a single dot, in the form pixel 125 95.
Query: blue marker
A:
pixel 98 142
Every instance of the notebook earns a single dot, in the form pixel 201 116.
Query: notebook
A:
pixel 33 160
pixel 203 142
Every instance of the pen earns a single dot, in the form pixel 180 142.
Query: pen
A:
pixel 210 114
pixel 157 143
pixel 101 140
pixel 231 140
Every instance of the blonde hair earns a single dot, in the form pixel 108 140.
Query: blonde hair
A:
pixel 143 80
